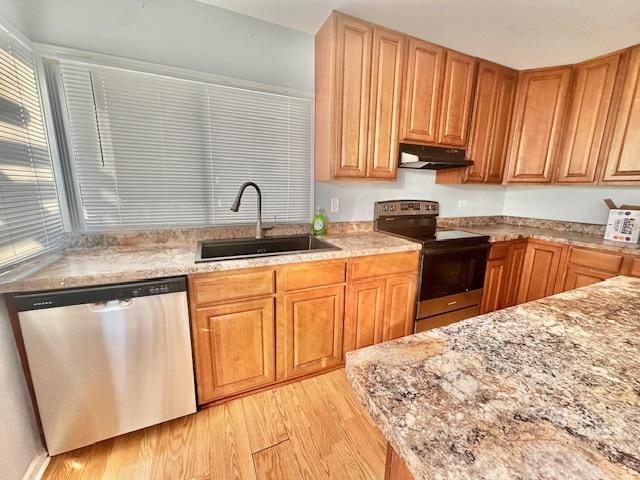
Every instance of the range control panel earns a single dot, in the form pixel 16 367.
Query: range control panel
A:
pixel 394 208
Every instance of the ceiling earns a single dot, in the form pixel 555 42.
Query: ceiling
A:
pixel 517 33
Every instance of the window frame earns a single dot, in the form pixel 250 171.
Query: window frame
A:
pixel 51 140
pixel 48 72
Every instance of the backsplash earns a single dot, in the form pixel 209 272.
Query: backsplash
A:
pixel 180 236
pixel 575 227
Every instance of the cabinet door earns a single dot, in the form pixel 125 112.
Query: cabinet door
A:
pixel 517 251
pixel 310 330
pixel 386 87
pixel 592 94
pixel 353 82
pixel 364 314
pixel 457 97
pixel 425 69
pixel 634 269
pixel 492 111
pixel 623 160
pixel 539 111
pixel 541 271
pixel 577 277
pixel 234 348
pixel 493 292
pixel 399 306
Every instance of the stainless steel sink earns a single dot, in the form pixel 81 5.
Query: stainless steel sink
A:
pixel 212 250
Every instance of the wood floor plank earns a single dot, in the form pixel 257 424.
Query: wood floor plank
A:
pixel 311 446
pixel 357 450
pixel 264 422
pixel 68 466
pixel 132 455
pixel 182 449
pixel 230 452
pixel 97 460
pixel 276 463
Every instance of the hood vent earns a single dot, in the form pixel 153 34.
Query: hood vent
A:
pixel 421 157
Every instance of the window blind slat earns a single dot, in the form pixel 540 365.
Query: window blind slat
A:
pixel 30 219
pixel 155 151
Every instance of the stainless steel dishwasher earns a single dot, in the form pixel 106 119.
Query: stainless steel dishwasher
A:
pixel 108 360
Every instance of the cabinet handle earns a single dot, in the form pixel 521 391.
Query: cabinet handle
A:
pixel 451 303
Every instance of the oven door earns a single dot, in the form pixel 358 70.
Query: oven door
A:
pixel 448 270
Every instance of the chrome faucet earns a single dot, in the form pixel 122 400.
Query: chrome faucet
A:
pixel 236 205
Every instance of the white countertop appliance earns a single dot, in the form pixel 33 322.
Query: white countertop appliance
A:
pixel 108 360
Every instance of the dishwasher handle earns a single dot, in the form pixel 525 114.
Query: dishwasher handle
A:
pixel 110 305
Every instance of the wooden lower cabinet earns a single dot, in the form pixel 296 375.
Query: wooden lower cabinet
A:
pixel 234 347
pixel 634 267
pixel 253 328
pixel 310 330
pixel 585 267
pixel 494 285
pixel 365 311
pixel 399 310
pixel 503 275
pixel 541 270
pixel 379 310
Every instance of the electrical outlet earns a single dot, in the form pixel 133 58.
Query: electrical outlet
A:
pixel 462 203
pixel 335 205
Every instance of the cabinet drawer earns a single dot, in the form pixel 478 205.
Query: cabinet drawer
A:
pixel 499 251
pixel 450 302
pixel 446 318
pixel 223 286
pixel 602 261
pixel 308 275
pixel 382 265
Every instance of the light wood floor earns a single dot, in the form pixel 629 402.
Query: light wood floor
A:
pixel 313 429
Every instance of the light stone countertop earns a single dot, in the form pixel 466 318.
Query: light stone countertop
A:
pixel 505 232
pixel 545 390
pixel 116 264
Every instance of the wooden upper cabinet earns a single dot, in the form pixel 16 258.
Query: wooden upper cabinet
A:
pixel 537 126
pixel 353 83
pixel 492 111
pixel 457 96
pixel 359 75
pixel 423 86
pixel 623 156
pixel 593 86
pixel 386 88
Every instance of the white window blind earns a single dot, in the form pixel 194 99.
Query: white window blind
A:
pixel 157 151
pixel 30 216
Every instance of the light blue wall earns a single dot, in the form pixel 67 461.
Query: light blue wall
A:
pixel 577 204
pixel 356 198
pixel 180 33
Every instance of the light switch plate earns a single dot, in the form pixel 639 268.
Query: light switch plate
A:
pixel 335 205
pixel 462 203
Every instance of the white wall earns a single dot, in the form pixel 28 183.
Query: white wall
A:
pixel 181 33
pixel 573 203
pixel 19 440
pixel 356 198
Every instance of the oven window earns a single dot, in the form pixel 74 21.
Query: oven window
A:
pixel 453 271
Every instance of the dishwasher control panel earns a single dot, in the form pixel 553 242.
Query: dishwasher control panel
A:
pixel 102 293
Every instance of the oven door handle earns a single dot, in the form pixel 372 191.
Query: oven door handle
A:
pixel 449 251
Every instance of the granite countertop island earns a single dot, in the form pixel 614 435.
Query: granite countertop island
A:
pixel 545 390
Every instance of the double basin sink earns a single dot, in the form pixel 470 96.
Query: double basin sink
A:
pixel 213 250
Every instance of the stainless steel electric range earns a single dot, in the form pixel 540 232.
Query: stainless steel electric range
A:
pixel 453 262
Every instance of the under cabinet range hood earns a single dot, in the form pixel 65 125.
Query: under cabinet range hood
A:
pixel 422 157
